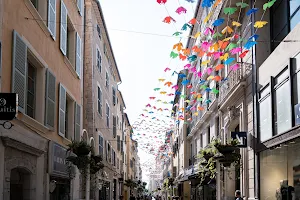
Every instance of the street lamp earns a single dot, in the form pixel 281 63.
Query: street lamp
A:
pixel 90 141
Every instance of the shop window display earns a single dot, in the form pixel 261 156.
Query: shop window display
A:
pixel 280 172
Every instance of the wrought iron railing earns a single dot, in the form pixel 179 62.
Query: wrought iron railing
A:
pixel 234 78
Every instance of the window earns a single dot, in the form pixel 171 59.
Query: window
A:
pixel 99 101
pixel 282 103
pixel 118 143
pixel 71 42
pixel 118 163
pixel 107 115
pixel 294 13
pixel 108 153
pixel 114 126
pixel 296 80
pixel 201 140
pixel 131 163
pixel 106 80
pixel 113 157
pixel 31 88
pixel 208 134
pixel 99 60
pixel 100 145
pixel 275 99
pixel 105 49
pixel 47 11
pixel 265 119
pixel 99 31
pixel 285 16
pixel 114 95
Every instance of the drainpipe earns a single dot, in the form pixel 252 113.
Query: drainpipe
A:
pixel 254 113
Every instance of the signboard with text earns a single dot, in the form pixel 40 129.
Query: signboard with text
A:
pixel 8 106
pixel 57 160
pixel 241 137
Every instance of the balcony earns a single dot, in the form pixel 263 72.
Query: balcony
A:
pixel 236 80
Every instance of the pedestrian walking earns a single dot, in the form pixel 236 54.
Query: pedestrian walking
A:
pixel 238 195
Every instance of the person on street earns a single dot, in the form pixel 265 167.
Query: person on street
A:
pixel 238 195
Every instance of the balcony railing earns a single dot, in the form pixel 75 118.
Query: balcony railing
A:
pixel 234 78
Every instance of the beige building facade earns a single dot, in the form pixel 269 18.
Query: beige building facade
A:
pixel 48 82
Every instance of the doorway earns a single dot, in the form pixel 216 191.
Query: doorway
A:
pixel 19 184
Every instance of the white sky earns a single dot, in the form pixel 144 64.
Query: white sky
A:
pixel 142 58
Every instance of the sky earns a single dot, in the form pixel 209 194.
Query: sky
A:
pixel 142 44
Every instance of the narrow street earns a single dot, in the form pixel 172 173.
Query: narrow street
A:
pixel 149 100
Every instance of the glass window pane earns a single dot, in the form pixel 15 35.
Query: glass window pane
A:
pixel 296 84
pixel 282 113
pixel 279 17
pixel 295 20
pixel 297 57
pixel 283 75
pixel 265 123
pixel 294 4
pixel 273 170
pixel 264 92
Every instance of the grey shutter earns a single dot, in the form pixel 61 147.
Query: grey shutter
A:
pixel 78 54
pixel 62 110
pixel 80 6
pixel 77 124
pixel 50 99
pixel 52 17
pixel 63 28
pixel 19 70
pixel 114 127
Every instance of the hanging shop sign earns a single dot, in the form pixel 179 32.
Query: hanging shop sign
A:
pixel 297 114
pixel 57 160
pixel 8 106
pixel 241 137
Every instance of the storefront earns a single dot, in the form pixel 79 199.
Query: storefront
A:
pixel 104 191
pixel 60 182
pixel 280 172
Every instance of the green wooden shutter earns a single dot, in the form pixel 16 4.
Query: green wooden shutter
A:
pixel 19 70
pixel 80 6
pixel 78 54
pixel 63 28
pixel 77 125
pixel 50 98
pixel 62 110
pixel 52 17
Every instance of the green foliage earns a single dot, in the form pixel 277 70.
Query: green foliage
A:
pixel 82 160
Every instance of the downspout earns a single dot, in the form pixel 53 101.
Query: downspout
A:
pixel 254 113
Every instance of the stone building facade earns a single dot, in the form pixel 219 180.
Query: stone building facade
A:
pixel 104 104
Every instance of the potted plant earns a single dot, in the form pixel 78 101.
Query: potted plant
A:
pixel 227 148
pixel 228 152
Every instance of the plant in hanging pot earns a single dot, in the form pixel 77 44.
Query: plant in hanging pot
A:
pixel 228 148
pixel 79 148
pixel 229 159
pixel 207 153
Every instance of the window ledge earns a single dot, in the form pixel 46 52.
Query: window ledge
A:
pixel 37 18
pixel 70 66
pixel 66 141
pixel 34 124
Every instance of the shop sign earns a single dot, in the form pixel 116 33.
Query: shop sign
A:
pixel 8 106
pixel 241 137
pixel 297 114
pixel 57 157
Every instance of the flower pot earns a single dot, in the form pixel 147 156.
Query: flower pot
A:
pixel 226 149
pixel 208 156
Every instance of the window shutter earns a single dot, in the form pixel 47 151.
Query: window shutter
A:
pixel 19 70
pixel 62 110
pixel 63 28
pixel 106 154
pixel 78 54
pixel 50 99
pixel 52 17
pixel 80 6
pixel 77 125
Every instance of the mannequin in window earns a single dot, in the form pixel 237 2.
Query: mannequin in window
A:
pixel 285 192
